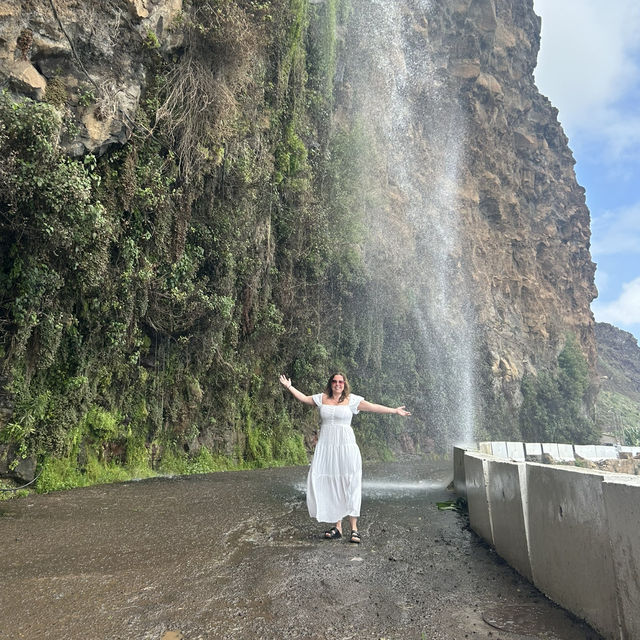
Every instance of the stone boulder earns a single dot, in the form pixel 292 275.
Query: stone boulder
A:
pixel 88 59
pixel 14 467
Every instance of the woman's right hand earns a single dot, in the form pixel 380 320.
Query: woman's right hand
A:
pixel 285 382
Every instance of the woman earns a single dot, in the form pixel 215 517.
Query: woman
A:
pixel 334 483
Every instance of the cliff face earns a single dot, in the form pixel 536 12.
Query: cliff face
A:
pixel 472 147
pixel 618 360
pixel 529 241
pixel 618 404
pixel 87 58
pixel 279 186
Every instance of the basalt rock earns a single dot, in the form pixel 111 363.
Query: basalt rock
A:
pixel 90 59
pixel 14 466
pixel 521 267
pixel 527 224
pixel 618 361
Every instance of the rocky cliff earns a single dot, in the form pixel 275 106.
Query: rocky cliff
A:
pixel 256 187
pixel 87 58
pixel 618 404
pixel 618 360
pixel 476 203
pixel 530 242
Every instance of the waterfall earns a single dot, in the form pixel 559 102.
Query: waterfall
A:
pixel 414 245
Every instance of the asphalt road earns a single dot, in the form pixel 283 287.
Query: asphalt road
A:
pixel 235 555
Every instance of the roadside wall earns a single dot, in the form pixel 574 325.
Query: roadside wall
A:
pixel 622 502
pixel 573 532
pixel 506 487
pixel 477 496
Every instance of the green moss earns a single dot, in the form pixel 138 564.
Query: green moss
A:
pixel 63 473
pixel 56 92
pixel 204 461
pixel 57 474
pixel 138 462
pixel 274 446
pixel 101 424
pixel 259 449
pixel 154 294
pixel 289 450
pixel 99 472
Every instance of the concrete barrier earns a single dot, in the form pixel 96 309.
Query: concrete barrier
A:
pixel 595 452
pixel 506 450
pixel 459 479
pixel 622 501
pixel 515 451
pixel 475 470
pixel 606 452
pixel 533 449
pixel 499 449
pixel 508 508
pixel 485 447
pixel 587 451
pixel 561 452
pixel 572 531
pixel 565 452
pixel 569 543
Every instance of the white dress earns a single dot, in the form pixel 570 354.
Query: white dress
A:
pixel 334 483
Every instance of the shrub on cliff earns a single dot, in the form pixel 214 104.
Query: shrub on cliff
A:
pixel 151 296
pixel 553 406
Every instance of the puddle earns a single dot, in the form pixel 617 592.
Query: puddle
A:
pixel 389 488
pixel 530 620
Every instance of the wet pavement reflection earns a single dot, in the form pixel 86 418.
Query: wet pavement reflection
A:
pixel 235 555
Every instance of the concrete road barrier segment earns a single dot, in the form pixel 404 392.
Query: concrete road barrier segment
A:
pixel 569 543
pixel 476 485
pixel 622 502
pixel 573 532
pixel 508 513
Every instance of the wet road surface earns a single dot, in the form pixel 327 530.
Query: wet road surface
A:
pixel 235 555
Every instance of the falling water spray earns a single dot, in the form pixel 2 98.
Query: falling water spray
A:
pixel 414 244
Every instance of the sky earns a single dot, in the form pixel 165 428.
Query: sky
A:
pixel 589 68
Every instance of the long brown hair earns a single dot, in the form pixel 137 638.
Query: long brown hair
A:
pixel 345 391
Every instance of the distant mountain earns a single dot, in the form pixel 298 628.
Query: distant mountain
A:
pixel 618 404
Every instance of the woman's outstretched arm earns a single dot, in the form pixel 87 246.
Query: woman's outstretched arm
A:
pixel 379 408
pixel 286 382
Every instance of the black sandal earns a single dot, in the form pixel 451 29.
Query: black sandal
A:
pixel 355 537
pixel 332 534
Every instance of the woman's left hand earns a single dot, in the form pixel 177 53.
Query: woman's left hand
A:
pixel 401 411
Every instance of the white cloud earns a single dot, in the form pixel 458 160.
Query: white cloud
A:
pixel 621 131
pixel 602 280
pixel 586 55
pixel 589 61
pixel 625 310
pixel 589 67
pixel 616 232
